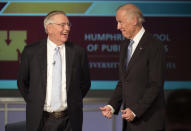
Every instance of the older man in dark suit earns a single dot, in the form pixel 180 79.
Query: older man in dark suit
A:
pixel 141 75
pixel 54 78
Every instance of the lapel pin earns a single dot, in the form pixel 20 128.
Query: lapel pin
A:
pixel 140 48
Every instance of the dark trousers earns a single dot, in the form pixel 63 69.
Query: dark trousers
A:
pixel 50 123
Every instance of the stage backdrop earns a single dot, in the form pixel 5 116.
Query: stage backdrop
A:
pixel 94 27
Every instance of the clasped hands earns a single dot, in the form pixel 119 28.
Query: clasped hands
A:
pixel 126 113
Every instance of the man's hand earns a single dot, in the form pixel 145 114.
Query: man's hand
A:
pixel 106 111
pixel 127 114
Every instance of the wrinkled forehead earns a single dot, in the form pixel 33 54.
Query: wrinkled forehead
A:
pixel 124 14
pixel 121 14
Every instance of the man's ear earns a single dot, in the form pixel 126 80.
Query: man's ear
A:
pixel 48 29
pixel 134 20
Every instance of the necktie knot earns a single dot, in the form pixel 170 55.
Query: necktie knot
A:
pixel 57 49
pixel 131 43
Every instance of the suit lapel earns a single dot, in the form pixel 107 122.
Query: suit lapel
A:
pixel 123 57
pixel 137 52
pixel 69 58
pixel 42 58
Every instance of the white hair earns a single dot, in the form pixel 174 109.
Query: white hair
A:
pixel 132 9
pixel 48 20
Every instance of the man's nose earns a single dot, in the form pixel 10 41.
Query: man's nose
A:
pixel 67 27
pixel 118 26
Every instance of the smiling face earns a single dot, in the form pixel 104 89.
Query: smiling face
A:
pixel 58 30
pixel 126 23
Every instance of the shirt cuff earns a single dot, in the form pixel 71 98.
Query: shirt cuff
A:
pixel 134 114
pixel 112 109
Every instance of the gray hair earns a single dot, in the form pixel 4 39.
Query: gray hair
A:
pixel 48 20
pixel 132 9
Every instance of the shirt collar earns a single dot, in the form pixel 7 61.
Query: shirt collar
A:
pixel 53 45
pixel 138 36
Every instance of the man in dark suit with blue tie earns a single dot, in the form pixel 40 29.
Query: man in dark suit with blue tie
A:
pixel 141 75
pixel 54 78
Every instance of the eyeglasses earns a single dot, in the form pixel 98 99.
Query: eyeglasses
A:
pixel 63 24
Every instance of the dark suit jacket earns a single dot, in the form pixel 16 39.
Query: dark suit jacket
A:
pixel 140 86
pixel 32 81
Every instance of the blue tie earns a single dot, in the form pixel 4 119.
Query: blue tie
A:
pixel 129 52
pixel 56 80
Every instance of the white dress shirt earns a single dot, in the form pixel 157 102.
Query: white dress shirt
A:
pixel 50 53
pixel 136 39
